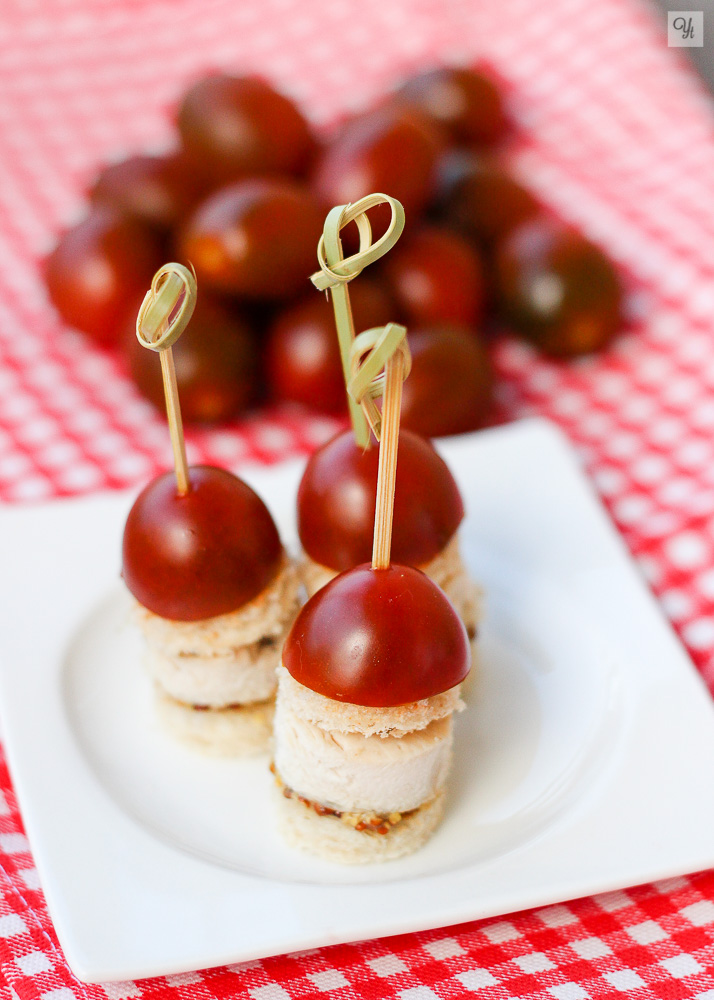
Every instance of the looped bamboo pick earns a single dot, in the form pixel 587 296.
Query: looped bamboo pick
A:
pixel 336 272
pixel 380 361
pixel 163 316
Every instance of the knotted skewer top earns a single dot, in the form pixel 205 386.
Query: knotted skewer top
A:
pixel 167 307
pixel 343 270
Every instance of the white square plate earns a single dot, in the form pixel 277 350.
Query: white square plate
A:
pixel 583 762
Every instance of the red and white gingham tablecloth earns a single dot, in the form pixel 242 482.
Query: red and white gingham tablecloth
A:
pixel 617 135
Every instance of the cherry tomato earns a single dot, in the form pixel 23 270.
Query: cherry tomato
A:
pixel 233 127
pixel 256 238
pixel 203 554
pixel 558 289
pixel 378 637
pixel 215 360
pixel 99 269
pixel 465 102
pixel 436 276
pixel 303 355
pixel 449 389
pixel 158 190
pixel 337 500
pixel 480 199
pixel 392 149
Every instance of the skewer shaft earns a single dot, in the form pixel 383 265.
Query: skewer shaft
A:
pixel 173 413
pixel 346 334
pixel 387 471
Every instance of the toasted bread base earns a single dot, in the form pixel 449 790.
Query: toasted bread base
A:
pixel 236 731
pixel 330 838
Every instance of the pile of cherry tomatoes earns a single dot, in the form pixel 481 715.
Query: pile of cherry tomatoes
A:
pixel 244 200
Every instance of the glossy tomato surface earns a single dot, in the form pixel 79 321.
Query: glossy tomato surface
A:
pixel 337 500
pixel 255 238
pixel 392 150
pixel 465 102
pixel 378 637
pixel 235 127
pixel 558 289
pixel 450 388
pixel 216 364
pixel 98 271
pixel 303 353
pixel 479 197
pixel 158 190
pixel 436 276
pixel 209 552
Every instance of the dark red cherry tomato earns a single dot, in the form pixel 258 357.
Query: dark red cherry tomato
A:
pixel 436 276
pixel 256 238
pixel 465 102
pixel 337 500
pixel 393 150
pixel 233 127
pixel 158 190
pixel 215 360
pixel 558 289
pixel 449 390
pixel 303 355
pixel 378 637
pixel 479 198
pixel 203 554
pixel 99 269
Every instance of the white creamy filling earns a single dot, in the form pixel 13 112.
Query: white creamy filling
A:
pixel 245 676
pixel 354 773
pixel 227 660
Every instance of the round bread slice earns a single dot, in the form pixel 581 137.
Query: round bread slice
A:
pixel 330 838
pixel 236 731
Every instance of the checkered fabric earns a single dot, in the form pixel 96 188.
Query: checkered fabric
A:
pixel 616 135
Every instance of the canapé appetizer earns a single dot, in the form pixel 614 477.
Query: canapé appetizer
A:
pixel 215 590
pixel 369 683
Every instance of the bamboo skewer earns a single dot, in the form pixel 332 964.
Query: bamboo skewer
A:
pixel 380 361
pixel 163 316
pixel 387 471
pixel 336 272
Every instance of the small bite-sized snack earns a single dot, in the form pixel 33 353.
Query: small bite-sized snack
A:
pixel 363 724
pixel 336 509
pixel 216 595
pixel 216 592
